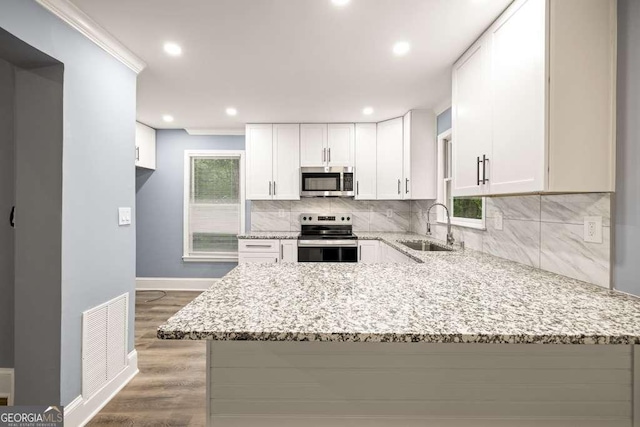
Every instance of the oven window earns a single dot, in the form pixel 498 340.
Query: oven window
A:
pixel 321 182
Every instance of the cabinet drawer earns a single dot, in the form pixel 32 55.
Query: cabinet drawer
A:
pixel 258 245
pixel 263 258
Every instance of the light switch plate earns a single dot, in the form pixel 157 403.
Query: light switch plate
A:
pixel 593 229
pixel 124 216
pixel 497 221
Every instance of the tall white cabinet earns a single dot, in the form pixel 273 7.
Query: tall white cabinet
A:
pixel 273 159
pixel 389 167
pixel 534 101
pixel 365 164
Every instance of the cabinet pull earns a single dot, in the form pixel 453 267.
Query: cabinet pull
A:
pixel 329 154
pixel 406 185
pixel 269 187
pixel 484 169
pixel 360 253
pixel 399 182
pixel 324 155
pixel 281 251
pixel 478 169
pixel 137 154
pixel 257 246
pixel 274 188
pixel 357 188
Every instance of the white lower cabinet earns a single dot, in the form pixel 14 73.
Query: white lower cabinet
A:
pixel 289 250
pixel 368 251
pixel 267 251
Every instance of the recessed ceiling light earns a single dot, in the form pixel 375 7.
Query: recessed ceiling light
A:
pixel 367 111
pixel 172 49
pixel 167 118
pixel 401 48
pixel 232 111
pixel 340 2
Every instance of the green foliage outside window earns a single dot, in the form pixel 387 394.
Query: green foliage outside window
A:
pixel 470 208
pixel 216 181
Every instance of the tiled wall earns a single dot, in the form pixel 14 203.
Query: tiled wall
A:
pixel 542 231
pixel 368 216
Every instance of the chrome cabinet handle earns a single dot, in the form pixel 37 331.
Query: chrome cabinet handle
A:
pixel 324 155
pixel 358 188
pixel 329 154
pixel 281 251
pixel 137 154
pixel 274 188
pixel 399 186
pixel 257 246
pixel 478 170
pixel 269 187
pixel 406 186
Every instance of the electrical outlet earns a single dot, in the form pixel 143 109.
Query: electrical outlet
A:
pixel 124 216
pixel 497 221
pixel 593 229
pixel 389 213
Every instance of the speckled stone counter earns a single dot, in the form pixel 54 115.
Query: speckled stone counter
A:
pixel 445 297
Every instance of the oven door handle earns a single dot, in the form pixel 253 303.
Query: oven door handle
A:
pixel 326 243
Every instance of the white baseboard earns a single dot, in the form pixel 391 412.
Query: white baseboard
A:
pixel 7 384
pixel 79 412
pixel 173 284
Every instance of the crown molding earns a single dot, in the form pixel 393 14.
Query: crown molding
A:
pixel 442 106
pixel 217 132
pixel 79 20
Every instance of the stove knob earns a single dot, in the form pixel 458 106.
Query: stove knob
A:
pixel 310 218
pixel 343 218
pixel 304 218
pixel 348 218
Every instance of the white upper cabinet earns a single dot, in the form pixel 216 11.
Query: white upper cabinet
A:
pixel 365 164
pixel 259 147
pixel 273 162
pixel 390 159
pixel 313 145
pixel 535 96
pixel 145 146
pixel 341 144
pixel 471 118
pixel 419 155
pixel 286 162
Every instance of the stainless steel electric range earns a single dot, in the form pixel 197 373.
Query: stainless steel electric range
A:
pixel 327 238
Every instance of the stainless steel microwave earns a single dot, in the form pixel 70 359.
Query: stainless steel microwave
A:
pixel 326 182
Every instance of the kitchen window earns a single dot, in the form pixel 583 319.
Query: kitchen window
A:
pixel 465 211
pixel 214 205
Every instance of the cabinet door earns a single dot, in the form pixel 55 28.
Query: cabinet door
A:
pixel 286 162
pixel 368 251
pixel 471 116
pixel 289 250
pixel 145 146
pixel 313 145
pixel 340 144
pixel 389 160
pixel 259 147
pixel 407 182
pixel 365 165
pixel 258 258
pixel 518 85
pixel 420 159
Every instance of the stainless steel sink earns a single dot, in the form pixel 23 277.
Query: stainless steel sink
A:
pixel 426 246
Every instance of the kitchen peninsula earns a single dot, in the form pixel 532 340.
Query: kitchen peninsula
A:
pixel 454 338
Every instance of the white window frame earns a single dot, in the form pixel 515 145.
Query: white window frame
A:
pixel 445 138
pixel 188 155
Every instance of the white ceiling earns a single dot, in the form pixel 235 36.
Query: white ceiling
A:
pixel 291 60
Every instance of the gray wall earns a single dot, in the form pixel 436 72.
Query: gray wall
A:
pixel 7 199
pixel 627 200
pixel 444 121
pixel 98 257
pixel 159 207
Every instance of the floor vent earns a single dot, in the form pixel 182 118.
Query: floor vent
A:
pixel 104 344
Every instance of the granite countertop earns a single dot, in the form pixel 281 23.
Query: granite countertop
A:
pixel 279 235
pixel 460 296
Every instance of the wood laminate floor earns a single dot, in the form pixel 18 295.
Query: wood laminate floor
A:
pixel 170 389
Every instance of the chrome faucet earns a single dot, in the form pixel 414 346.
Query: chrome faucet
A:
pixel 450 239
